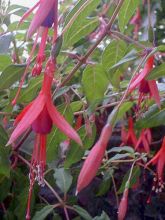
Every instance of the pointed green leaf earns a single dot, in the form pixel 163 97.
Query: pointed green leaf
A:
pixel 10 75
pixel 157 72
pixel 63 179
pixel 126 12
pixel 94 82
pixel 82 212
pixel 43 213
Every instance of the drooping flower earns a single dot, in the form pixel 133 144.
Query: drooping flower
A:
pixel 123 205
pixel 41 114
pixel 94 159
pixel 144 141
pixel 45 17
pixel 144 86
pixel 42 107
pixel 129 137
pixel 159 159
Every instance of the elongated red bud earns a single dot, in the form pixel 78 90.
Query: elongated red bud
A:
pixel 94 159
pixel 123 205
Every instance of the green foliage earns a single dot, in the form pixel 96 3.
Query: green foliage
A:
pixel 94 82
pixel 63 179
pixel 101 62
pixel 126 12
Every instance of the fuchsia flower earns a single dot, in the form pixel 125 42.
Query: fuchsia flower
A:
pixel 159 159
pixel 144 86
pixel 122 210
pixel 41 114
pixel 129 138
pixel 144 141
pixel 44 18
pixel 94 159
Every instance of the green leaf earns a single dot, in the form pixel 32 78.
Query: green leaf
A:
pixel 120 149
pixel 43 213
pixel 3 137
pixel 117 114
pixel 63 179
pixel 135 175
pixel 127 58
pixel 10 75
pixel 4 160
pixel 126 12
pixel 82 25
pixel 113 53
pixel 76 152
pixel 103 216
pixel 157 72
pixel 76 106
pixel 82 212
pixel 5 60
pixel 94 82
pixel 126 106
pixel 105 184
pixel 5 185
pixel 153 117
pixel 119 156
pixel 161 48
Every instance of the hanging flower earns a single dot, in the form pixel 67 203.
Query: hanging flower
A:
pixel 94 159
pixel 144 141
pixel 45 17
pixel 41 114
pixel 146 87
pixel 122 210
pixel 159 159
pixel 129 137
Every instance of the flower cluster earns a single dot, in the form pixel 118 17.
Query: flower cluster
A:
pixel 41 113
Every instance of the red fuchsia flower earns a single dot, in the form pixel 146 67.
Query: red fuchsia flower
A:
pixel 122 210
pixel 144 141
pixel 159 159
pixel 129 138
pixel 45 17
pixel 94 159
pixel 41 114
pixel 146 86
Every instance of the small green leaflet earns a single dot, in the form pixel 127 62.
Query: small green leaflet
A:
pixel 94 82
pixel 10 75
pixel 157 72
pixel 126 12
pixel 42 214
pixel 63 179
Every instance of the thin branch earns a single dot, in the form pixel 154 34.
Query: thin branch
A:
pixel 128 39
pixel 90 51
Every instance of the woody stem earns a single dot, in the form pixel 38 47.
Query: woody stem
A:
pixel 90 51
